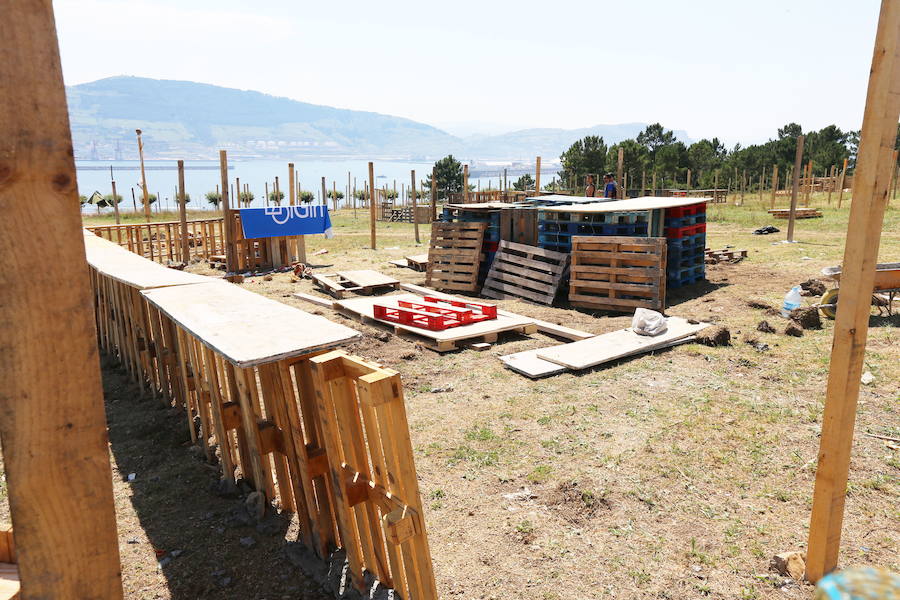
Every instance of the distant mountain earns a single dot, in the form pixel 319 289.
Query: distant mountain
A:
pixel 183 119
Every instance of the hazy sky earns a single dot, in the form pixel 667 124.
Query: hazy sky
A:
pixel 734 69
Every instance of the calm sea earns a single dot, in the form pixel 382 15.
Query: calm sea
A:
pixel 203 176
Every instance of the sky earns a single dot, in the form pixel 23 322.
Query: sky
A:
pixel 736 70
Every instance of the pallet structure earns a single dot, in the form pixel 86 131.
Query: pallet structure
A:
pixel 161 242
pixel 434 314
pixel 455 256
pixel 417 262
pixel 527 272
pixel 9 572
pixel 618 273
pixel 455 338
pixel 799 213
pixel 361 282
pixel 319 431
pixel 717 256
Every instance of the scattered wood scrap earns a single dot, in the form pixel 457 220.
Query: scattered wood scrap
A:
pixel 617 344
pixel 528 272
pixel 528 363
pixel 618 273
pixel 418 262
pixel 455 256
pixel 716 256
pixel 363 309
pixel 361 282
pixel 800 213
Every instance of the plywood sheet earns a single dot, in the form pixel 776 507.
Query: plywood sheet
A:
pixel 503 322
pixel 136 271
pixel 246 328
pixel 643 203
pixel 617 344
pixel 528 363
pixel 368 278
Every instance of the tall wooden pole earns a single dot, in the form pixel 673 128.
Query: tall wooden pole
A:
pixel 115 197
pixel 465 184
pixel 415 212
pixel 53 426
pixel 654 182
pixel 372 204
pixel 830 184
pixel 774 184
pixel 689 179
pixel 227 231
pixel 870 186
pixel 143 175
pixel 620 161
pixel 433 194
pixel 292 191
pixel 537 176
pixel 841 183
pixel 182 215
pixel 325 195
pixel 795 186
pixel 809 182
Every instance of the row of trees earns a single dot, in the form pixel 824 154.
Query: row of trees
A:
pixel 656 149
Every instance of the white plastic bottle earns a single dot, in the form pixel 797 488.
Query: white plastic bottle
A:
pixel 791 301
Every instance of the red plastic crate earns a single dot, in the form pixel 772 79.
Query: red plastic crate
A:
pixel 675 233
pixel 433 314
pixel 490 246
pixel 686 211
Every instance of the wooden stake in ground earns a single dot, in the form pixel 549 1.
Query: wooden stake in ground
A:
pixel 689 179
pixel 115 200
pixel 415 213
pixel 53 426
pixel 774 184
pixel 293 192
pixel 537 176
pixel 182 215
pixel 465 184
pixel 809 182
pixel 620 193
pixel 143 176
pixel 851 327
pixel 325 195
pixel 654 184
pixel 433 194
pixel 795 186
pixel 830 184
pixel 227 232
pixel 372 204
pixel 841 183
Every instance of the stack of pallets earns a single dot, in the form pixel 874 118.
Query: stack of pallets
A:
pixel 527 272
pixel 556 229
pixel 686 240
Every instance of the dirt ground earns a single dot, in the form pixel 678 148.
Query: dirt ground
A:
pixel 676 474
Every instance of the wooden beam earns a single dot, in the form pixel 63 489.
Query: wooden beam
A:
pixel 372 204
pixel 795 187
pixel 182 215
pixel 870 182
pixel 144 176
pixel 774 184
pixel 620 194
pixel 465 184
pixel 433 194
pixel 227 231
pixel 415 213
pixel 537 176
pixel 841 183
pixel 53 426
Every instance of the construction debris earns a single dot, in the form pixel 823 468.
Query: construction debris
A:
pixel 807 318
pixel 715 336
pixel 789 564
pixel 793 329
pixel 812 287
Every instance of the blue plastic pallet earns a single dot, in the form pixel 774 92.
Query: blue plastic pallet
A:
pixel 692 241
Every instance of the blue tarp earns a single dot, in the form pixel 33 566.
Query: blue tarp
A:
pixel 278 221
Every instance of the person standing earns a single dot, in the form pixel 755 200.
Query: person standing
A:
pixel 590 190
pixel 610 188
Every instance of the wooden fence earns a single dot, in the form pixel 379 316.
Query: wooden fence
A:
pixel 322 433
pixel 161 242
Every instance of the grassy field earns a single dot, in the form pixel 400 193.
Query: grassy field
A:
pixel 671 475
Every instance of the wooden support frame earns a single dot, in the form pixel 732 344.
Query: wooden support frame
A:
pixel 870 196
pixel 56 461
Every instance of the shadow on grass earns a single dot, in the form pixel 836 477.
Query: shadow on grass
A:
pixel 206 545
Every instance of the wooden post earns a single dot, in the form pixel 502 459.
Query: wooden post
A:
pixel 412 197
pixel 809 183
pixel 325 194
pixel 774 184
pixel 267 193
pixel 53 426
pixel 643 182
pixel 689 179
pixel 870 187
pixel 292 191
pixel 465 184
pixel 841 183
pixel 654 183
pixel 143 176
pixel 372 204
pixel 227 231
pixel 795 187
pixel 433 194
pixel 830 184
pixel 182 215
pixel 115 201
pixel 619 165
pixel 537 176
pixel 716 185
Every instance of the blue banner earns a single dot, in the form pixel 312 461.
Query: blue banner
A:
pixel 278 221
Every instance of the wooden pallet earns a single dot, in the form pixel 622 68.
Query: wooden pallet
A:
pixel 361 282
pixel 455 256
pixel 800 213
pixel 528 272
pixel 618 273
pixel 417 262
pixel 717 256
pixel 362 309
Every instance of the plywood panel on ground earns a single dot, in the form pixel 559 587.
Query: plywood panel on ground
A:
pixel 244 327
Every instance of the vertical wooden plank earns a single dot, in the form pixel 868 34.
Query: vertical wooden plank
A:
pixel 795 187
pixel 243 381
pixel 774 184
pixel 144 190
pixel 841 183
pixel 433 194
pixel 270 392
pixel 870 193
pixel 56 461
pixel 223 438
pixel 415 211
pixel 537 176
pixel 228 233
pixel 619 166
pixel 372 205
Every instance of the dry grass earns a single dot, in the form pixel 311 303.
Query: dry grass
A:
pixel 672 475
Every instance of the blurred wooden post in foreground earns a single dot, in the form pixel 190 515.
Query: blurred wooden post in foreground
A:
pixel 851 327
pixel 372 204
pixel 795 186
pixel 182 215
pixel 53 428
